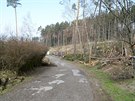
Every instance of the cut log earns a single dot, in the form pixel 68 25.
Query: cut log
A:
pixel 46 60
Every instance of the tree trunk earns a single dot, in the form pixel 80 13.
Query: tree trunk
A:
pixel 74 39
pixel 77 18
pixel 75 35
pixel 133 57
pixel 16 23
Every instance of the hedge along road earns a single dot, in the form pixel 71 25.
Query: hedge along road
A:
pixel 63 82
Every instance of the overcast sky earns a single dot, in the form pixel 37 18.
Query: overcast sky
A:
pixel 42 12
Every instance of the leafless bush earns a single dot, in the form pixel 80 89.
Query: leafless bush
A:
pixel 109 50
pixel 121 73
pixel 20 56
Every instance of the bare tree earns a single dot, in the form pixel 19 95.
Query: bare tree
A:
pixel 28 28
pixel 123 14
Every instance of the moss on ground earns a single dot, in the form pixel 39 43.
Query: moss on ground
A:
pixel 110 86
pixel 13 80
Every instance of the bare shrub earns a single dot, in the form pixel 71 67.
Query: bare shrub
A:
pixel 108 50
pixel 120 72
pixel 21 56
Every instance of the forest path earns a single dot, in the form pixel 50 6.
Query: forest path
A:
pixel 64 82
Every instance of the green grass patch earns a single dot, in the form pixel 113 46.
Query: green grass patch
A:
pixel 111 86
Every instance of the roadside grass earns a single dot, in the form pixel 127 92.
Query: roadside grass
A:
pixel 111 86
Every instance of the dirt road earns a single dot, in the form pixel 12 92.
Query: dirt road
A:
pixel 63 82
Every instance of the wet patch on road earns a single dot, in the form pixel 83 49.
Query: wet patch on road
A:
pixel 76 72
pixel 37 81
pixel 56 82
pixel 40 89
pixel 59 75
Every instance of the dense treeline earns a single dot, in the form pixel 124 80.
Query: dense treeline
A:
pixel 54 34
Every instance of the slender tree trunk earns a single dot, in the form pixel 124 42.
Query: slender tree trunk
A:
pixel 133 56
pixel 87 41
pixel 63 36
pixel 75 35
pixel 77 32
pixel 16 23
pixel 47 40
pixel 58 40
pixel 77 18
pixel 74 39
pixel 98 29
